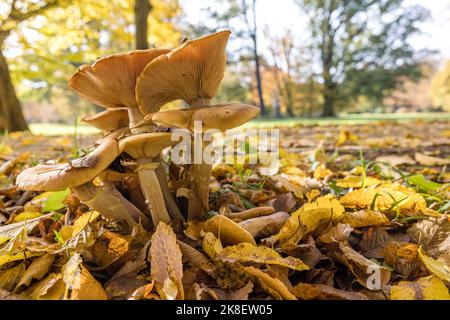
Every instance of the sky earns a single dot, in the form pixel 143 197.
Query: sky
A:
pixel 280 15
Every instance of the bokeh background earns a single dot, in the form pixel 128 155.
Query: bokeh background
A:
pixel 298 60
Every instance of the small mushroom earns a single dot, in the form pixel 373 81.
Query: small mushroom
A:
pixel 144 148
pixel 56 177
pixel 110 81
pixel 220 117
pixel 77 175
pixel 109 120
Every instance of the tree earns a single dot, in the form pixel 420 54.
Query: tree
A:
pixel 11 117
pixel 252 31
pixel 48 50
pixel 362 47
pixel 142 9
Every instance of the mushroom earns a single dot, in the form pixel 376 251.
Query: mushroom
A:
pixel 144 148
pixel 193 73
pixel 78 175
pixel 109 120
pixel 110 83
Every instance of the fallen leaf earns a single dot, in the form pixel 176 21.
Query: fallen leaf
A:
pixel 433 234
pixel 428 288
pixel 38 268
pixel 351 181
pixel 271 285
pixel 166 263
pixel 306 291
pixel 396 160
pixel 307 219
pixel 248 253
pixel 430 161
pixel 228 231
pixel 364 218
pixel 10 277
pixel 436 267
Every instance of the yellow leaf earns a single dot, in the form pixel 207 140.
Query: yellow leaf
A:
pixel 5 150
pixel 18 256
pixel 364 218
pixel 26 215
pixel 246 252
pixel 272 286
pixel 351 181
pixel 322 172
pixel 80 284
pixel 386 197
pixel 9 278
pixel 166 262
pixel 438 268
pixel 37 269
pixel 308 218
pixel 344 136
pixel 211 245
pixel 80 223
pixel 428 288
pixel 228 231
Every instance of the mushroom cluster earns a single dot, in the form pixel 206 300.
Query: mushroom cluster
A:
pixel 133 87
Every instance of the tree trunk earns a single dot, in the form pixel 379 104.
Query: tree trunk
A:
pixel 258 79
pixel 11 117
pixel 329 101
pixel 142 9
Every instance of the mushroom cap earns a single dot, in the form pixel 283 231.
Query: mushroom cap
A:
pixel 55 177
pixel 110 81
pixel 191 71
pixel 109 120
pixel 220 117
pixel 147 145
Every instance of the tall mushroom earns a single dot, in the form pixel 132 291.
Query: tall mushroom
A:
pixel 78 175
pixel 193 73
pixel 110 82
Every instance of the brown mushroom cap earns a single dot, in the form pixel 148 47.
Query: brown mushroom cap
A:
pixel 109 120
pixel 220 117
pixel 110 82
pixel 55 177
pixel 147 145
pixel 192 71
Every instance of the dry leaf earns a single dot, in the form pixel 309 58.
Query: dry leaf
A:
pixel 37 270
pixel 166 263
pixel 228 231
pixel 430 161
pixel 436 267
pixel 364 218
pixel 248 253
pixel 307 219
pixel 428 288
pixel 272 286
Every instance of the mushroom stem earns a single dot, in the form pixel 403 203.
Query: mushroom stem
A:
pixel 110 203
pixel 171 205
pixel 200 102
pixel 198 176
pixel 152 191
pixel 136 118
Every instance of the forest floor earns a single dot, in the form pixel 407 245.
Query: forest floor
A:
pixel 356 211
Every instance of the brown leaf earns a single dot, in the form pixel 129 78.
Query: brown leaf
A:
pixel 272 286
pixel 307 291
pixel 248 253
pixel 166 263
pixel 364 218
pixel 433 234
pixel 265 226
pixel 37 270
pixel 283 202
pixel 430 161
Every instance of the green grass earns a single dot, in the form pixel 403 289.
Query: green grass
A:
pixel 350 119
pixel 345 119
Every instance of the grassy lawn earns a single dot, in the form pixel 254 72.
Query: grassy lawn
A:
pixel 347 119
